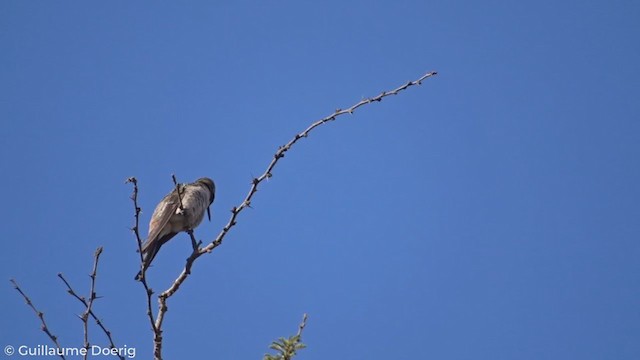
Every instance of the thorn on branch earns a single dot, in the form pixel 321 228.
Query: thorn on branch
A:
pixel 40 314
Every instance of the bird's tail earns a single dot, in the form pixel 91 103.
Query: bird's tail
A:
pixel 149 254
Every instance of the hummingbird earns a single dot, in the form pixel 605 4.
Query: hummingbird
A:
pixel 170 217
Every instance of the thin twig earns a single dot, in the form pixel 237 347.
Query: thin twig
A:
pixel 83 300
pixel 298 340
pixel 175 182
pixel 195 244
pixel 88 304
pixel 157 332
pixel 302 325
pixel 235 211
pixel 92 297
pixel 40 315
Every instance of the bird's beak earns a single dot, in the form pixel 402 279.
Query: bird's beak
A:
pixel 209 214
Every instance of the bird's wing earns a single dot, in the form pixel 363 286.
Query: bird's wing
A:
pixel 161 215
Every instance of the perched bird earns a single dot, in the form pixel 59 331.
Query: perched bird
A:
pixel 169 218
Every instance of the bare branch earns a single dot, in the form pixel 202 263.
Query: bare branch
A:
pixel 40 315
pixel 84 302
pixel 195 244
pixel 175 182
pixel 302 325
pixel 92 297
pixel 88 304
pixel 157 332
pixel 235 211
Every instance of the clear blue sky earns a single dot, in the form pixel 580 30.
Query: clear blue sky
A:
pixel 491 213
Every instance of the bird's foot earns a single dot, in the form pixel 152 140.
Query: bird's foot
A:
pixel 195 244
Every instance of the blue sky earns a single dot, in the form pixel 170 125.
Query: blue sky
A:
pixel 491 213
